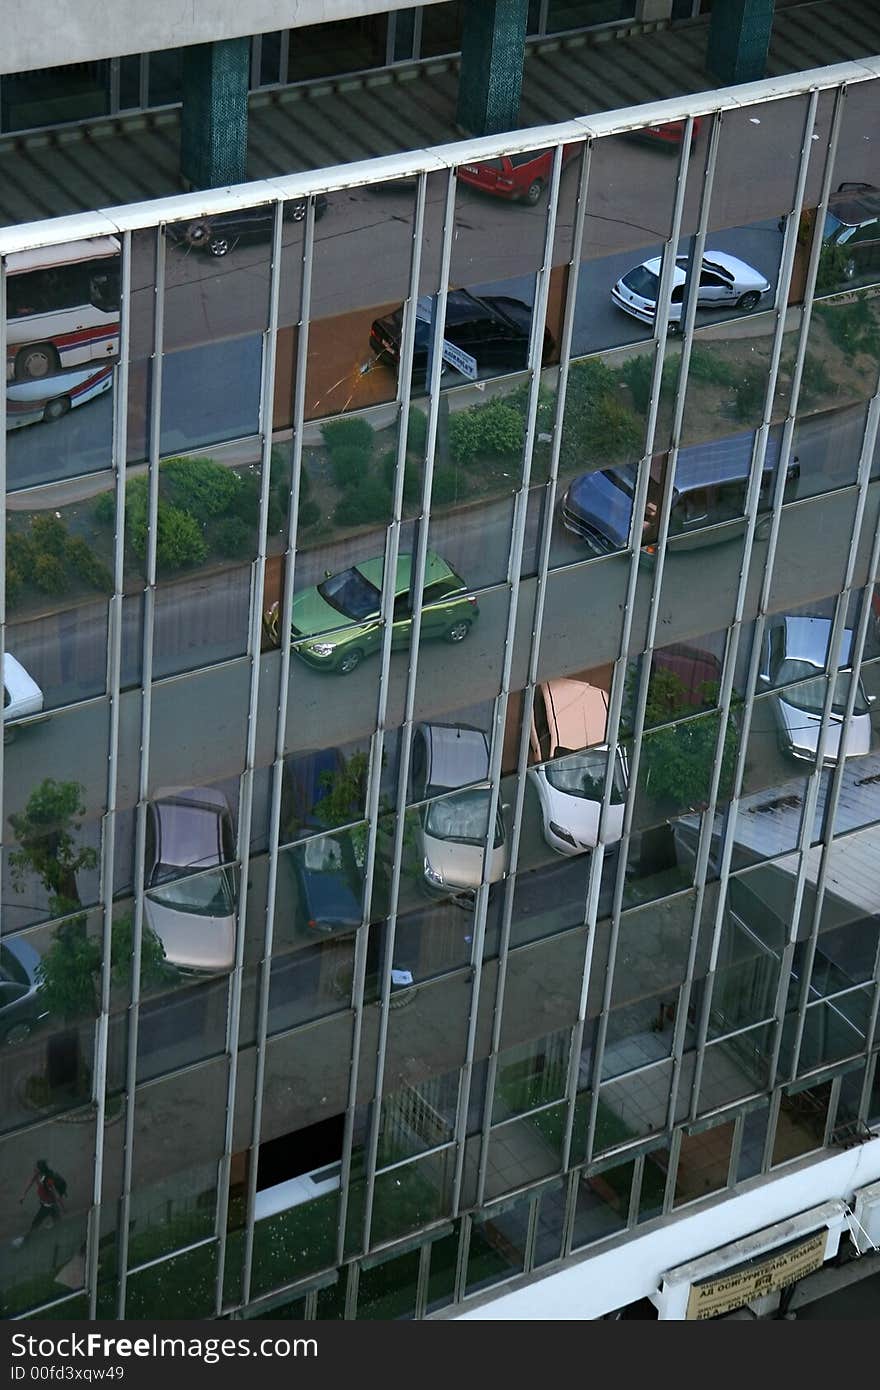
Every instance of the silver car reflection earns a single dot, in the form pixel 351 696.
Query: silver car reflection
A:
pixel 191 886
pixel 453 827
pixel 794 656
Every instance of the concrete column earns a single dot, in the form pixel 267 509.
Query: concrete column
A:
pixel 739 36
pixel 213 124
pixel 492 53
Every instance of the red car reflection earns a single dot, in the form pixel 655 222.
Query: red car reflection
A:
pixel 517 177
pixel 671 134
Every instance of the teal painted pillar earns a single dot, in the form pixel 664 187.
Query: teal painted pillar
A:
pixel 739 36
pixel 492 53
pixel 213 124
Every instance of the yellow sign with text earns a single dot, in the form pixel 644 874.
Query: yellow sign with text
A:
pixel 738 1286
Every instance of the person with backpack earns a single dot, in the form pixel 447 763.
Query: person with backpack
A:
pixel 51 1188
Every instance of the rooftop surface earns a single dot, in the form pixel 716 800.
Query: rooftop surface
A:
pixel 115 160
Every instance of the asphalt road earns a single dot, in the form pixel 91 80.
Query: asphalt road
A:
pixel 201 620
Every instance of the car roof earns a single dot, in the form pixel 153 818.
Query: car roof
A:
pixel 724 261
pixel 720 259
pixel 722 460
pixel 188 823
pixel 806 639
pixel 435 568
pixel 457 755
pixel 854 206
pixel 577 713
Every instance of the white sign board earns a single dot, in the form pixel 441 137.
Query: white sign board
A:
pixel 454 356
pixel 461 361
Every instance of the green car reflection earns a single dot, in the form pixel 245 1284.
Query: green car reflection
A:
pixel 338 622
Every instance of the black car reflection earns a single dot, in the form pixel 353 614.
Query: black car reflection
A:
pixel 493 329
pixel 220 234
pixel 853 223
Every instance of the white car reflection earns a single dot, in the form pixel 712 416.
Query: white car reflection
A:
pixel 725 282
pixel 50 398
pixel 21 694
pixel 569 720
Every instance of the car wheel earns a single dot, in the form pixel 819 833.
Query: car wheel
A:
pixel 57 408
pixel 35 362
pixel 350 661
pixel 533 192
pixel 219 246
pixel 459 631
pixel 298 211
pixel 673 328
pixel 748 300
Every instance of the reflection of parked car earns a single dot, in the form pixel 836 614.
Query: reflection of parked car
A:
pixel 492 328
pixel 21 694
pixel 338 622
pixel 669 135
pixel 220 233
pixel 189 832
pixel 697 671
pixel 20 997
pixel 329 884
pixel 51 397
pixel 522 177
pixel 853 221
pixel 453 827
pixel 725 281
pixel 711 484
pixel 795 650
pixel 569 720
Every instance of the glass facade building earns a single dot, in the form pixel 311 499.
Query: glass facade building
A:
pixel 441 763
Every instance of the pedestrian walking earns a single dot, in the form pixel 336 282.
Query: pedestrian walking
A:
pixel 51 1188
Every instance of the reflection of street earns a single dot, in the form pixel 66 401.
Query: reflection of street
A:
pixel 343 707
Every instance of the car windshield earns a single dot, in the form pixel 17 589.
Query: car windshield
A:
pixel 810 696
pixel 11 968
pixel 209 894
pixel 642 281
pixel 351 594
pixel 463 817
pixel 583 774
pixel 833 226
